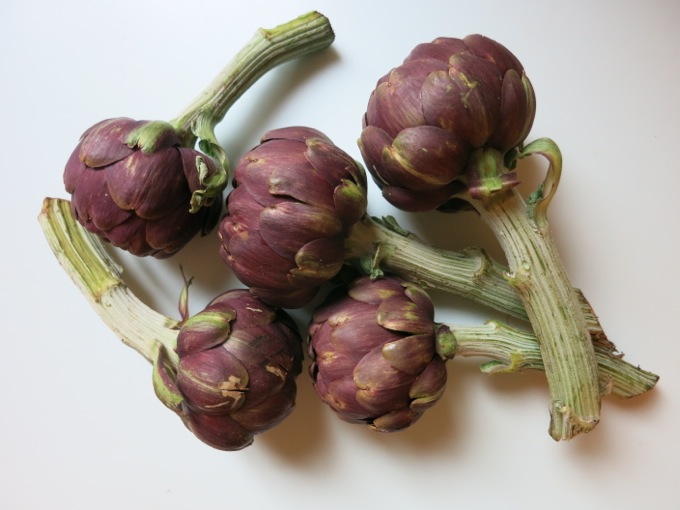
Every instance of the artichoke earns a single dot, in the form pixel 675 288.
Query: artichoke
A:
pixel 295 197
pixel 131 183
pixel 238 361
pixel 374 353
pixel 446 128
pixel 426 117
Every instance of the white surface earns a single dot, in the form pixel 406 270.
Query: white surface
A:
pixel 81 427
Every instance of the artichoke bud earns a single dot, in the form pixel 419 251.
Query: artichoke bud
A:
pixel 238 360
pixel 427 117
pixel 374 354
pixel 295 197
pixel 131 183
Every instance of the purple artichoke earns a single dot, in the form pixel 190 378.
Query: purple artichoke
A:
pixel 295 197
pixel 426 117
pixel 448 127
pixel 374 353
pixel 131 182
pixel 238 361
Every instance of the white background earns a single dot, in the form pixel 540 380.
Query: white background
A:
pixel 80 427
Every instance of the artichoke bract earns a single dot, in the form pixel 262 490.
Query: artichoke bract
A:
pixel 374 353
pixel 426 117
pixel 131 183
pixel 238 361
pixel 295 197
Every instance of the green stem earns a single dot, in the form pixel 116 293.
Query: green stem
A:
pixel 380 244
pixel 99 278
pixel 513 350
pixel 538 274
pixel 267 49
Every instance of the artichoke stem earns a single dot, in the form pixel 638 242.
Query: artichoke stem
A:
pixel 83 257
pixel 537 272
pixel 474 275
pixel 512 350
pixel 470 273
pixel 267 49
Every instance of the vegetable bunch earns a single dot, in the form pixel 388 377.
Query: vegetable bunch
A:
pixel 443 131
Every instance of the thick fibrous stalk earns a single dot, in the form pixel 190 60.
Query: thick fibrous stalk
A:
pixel 472 274
pixel 267 49
pixel 538 273
pixel 553 310
pixel 513 350
pixel 99 278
